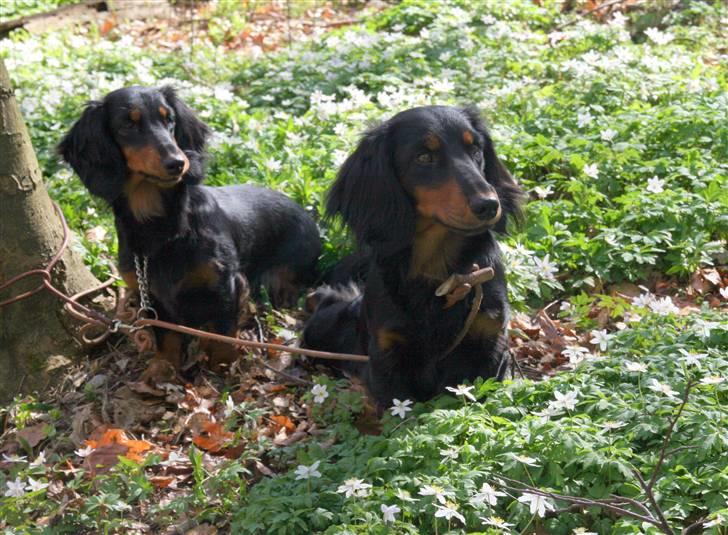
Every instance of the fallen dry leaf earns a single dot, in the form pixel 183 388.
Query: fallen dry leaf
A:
pixel 33 434
pixel 712 275
pixel 263 469
pixel 101 460
pixel 552 334
pixel 112 443
pixel 283 422
pixel 162 482
pixel 202 529
pixel 212 437
pixel 699 283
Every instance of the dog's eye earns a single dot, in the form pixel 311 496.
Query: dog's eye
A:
pixel 129 125
pixel 425 158
pixel 476 154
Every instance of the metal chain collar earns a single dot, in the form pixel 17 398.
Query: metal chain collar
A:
pixel 145 303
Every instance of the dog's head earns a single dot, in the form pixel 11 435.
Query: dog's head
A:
pixel 142 132
pixel 436 163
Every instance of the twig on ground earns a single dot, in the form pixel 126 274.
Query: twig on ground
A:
pixel 634 503
pixel 574 508
pixel 663 451
pixel 196 78
pixel 516 366
pixel 680 448
pixel 261 335
pixel 695 527
pixel 284 374
pixel 647 487
pixel 586 502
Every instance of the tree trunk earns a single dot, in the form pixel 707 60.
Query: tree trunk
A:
pixel 35 329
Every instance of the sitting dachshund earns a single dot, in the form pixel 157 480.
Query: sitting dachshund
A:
pixel 423 193
pixel 142 150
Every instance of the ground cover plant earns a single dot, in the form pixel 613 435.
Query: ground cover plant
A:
pixel 618 129
pixel 15 9
pixel 461 464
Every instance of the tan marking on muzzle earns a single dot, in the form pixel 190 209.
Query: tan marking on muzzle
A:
pixel 444 203
pixel 145 160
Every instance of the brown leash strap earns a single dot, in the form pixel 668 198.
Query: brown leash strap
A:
pixel 95 319
pixel 247 343
pixel 477 300
pixel 455 288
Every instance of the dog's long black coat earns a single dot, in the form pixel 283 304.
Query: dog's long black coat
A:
pixel 142 150
pixel 424 192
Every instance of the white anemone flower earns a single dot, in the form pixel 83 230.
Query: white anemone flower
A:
pixel 462 390
pixel 388 512
pixel 600 339
pixel 320 393
pixel 537 504
pixel 486 495
pixel 308 472
pixel 401 408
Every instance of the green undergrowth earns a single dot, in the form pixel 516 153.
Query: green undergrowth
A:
pixel 15 9
pixel 519 430
pixel 619 133
pixel 659 387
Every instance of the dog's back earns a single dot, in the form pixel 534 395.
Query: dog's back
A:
pixel 277 241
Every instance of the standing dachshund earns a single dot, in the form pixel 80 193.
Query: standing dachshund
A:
pixel 423 192
pixel 142 150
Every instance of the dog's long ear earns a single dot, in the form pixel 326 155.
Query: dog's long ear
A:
pixel 509 192
pixel 191 135
pixel 370 198
pixel 94 155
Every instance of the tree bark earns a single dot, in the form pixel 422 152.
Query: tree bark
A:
pixel 35 329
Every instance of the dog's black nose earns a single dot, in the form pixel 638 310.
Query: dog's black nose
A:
pixel 485 208
pixel 174 165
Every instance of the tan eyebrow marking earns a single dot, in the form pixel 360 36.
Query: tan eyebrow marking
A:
pixel 135 115
pixel 163 112
pixel 432 142
pixel 468 138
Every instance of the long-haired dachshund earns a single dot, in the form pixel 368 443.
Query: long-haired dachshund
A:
pixel 423 193
pixel 142 150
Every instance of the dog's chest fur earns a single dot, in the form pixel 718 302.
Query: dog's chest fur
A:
pixel 184 256
pixel 435 252
pixel 401 291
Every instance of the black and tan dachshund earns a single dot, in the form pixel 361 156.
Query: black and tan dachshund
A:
pixel 423 194
pixel 142 150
